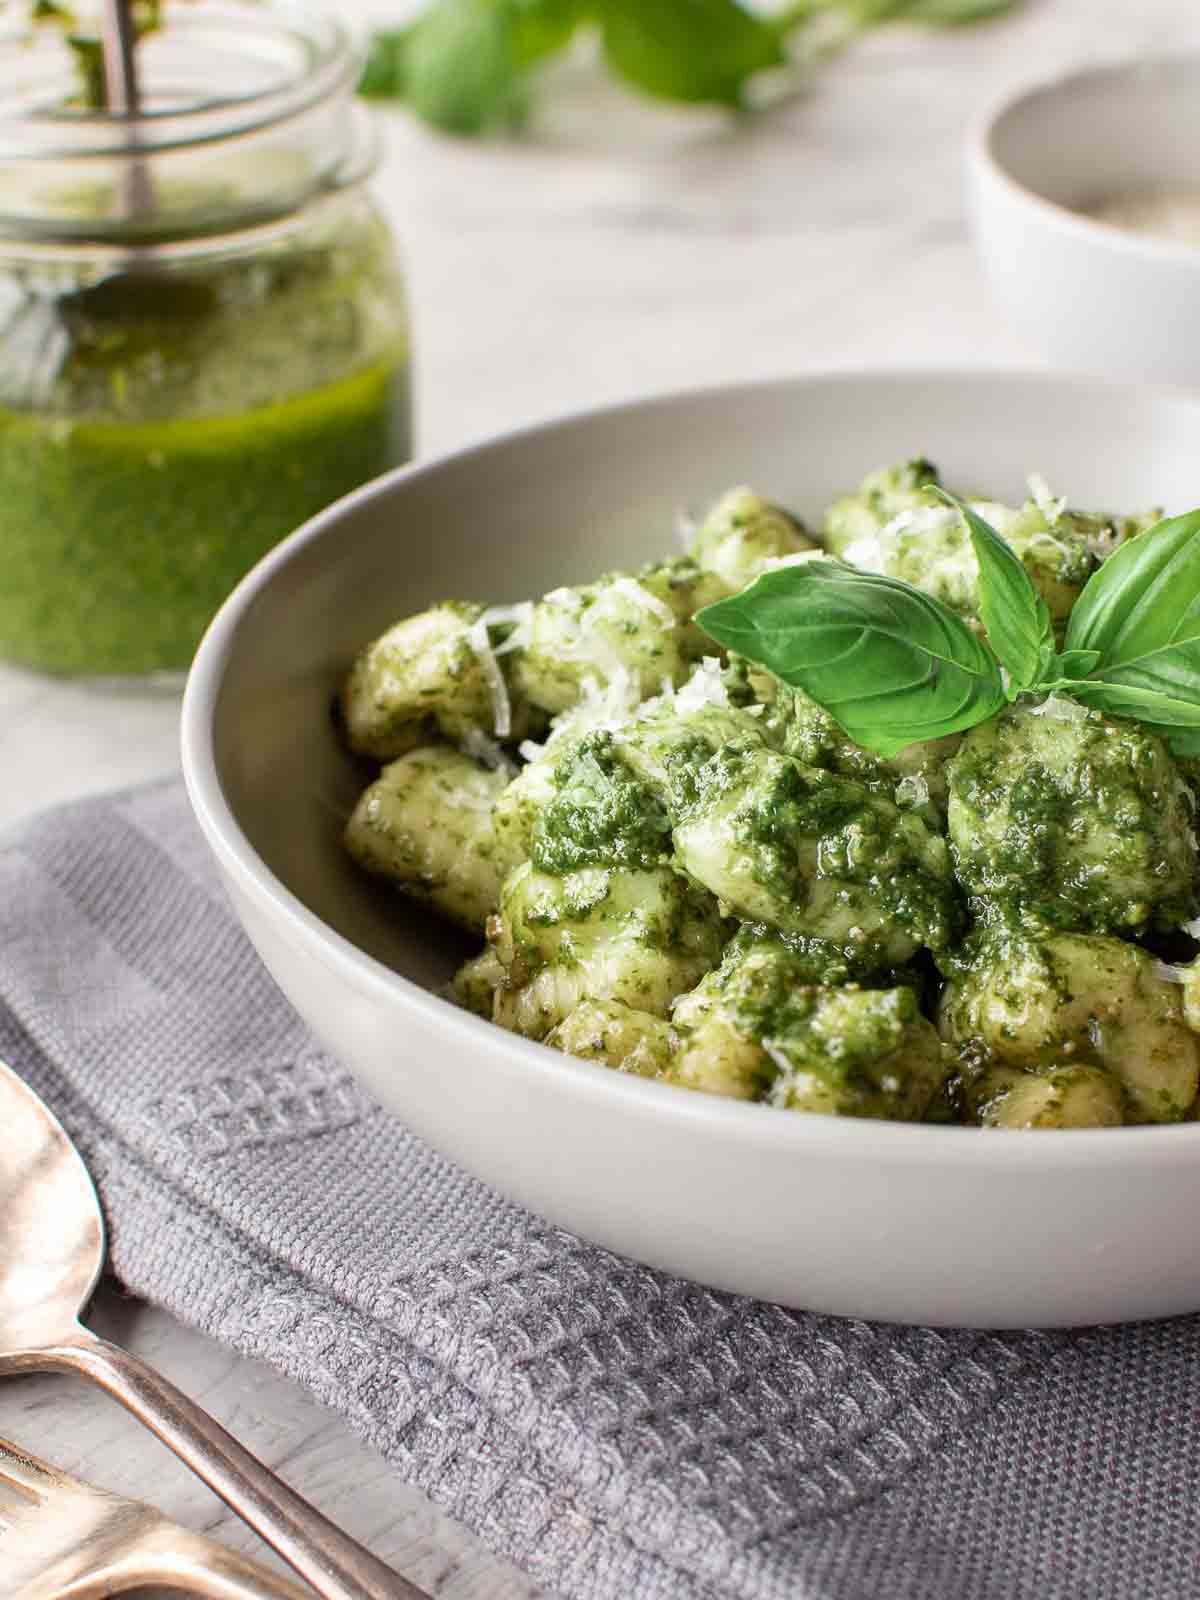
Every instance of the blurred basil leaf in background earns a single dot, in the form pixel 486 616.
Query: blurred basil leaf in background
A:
pixel 690 50
pixel 467 66
pixel 464 65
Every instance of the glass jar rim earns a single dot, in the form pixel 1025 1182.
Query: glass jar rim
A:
pixel 44 126
pixel 249 114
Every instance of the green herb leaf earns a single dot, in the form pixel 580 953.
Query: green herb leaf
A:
pixel 1141 612
pixel 1074 664
pixel 542 28
pixel 691 50
pixel 461 65
pixel 891 665
pixel 384 74
pixel 1012 611
pixel 464 64
pixel 1158 711
pixel 952 13
pixel 1175 721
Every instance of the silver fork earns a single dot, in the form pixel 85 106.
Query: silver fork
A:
pixel 61 1539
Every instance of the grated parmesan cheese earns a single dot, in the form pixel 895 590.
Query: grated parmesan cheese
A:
pixel 1045 540
pixel 922 519
pixel 477 637
pixel 644 600
pixel 873 552
pixel 796 559
pixel 1103 542
pixel 1050 507
pixel 866 554
pixel 604 707
pixel 778 1054
pixel 520 615
pixel 1169 973
pixel 1060 709
pixel 476 744
pixel 912 790
pixel 703 688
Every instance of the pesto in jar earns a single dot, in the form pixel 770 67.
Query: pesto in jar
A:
pixel 166 419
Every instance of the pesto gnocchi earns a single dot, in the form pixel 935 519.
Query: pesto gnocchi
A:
pixel 684 869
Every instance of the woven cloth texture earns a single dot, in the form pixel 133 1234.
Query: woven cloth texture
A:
pixel 616 1432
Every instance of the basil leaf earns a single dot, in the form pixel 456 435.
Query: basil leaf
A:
pixel 891 665
pixel 954 13
pixel 1141 611
pixel 384 75
pixel 544 27
pixel 460 66
pixel 870 13
pixel 1156 710
pixel 691 50
pixel 464 65
pixel 1012 611
pixel 1075 663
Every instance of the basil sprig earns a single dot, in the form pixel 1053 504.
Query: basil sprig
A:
pixel 1013 613
pixel 471 66
pixel 1144 620
pixel 892 665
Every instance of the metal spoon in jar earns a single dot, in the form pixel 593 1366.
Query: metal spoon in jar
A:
pixel 51 1253
pixel 122 91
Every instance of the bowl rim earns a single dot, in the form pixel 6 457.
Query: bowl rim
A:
pixel 982 160
pixel 898 1143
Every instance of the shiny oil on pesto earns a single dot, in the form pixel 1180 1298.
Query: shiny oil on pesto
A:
pixel 686 869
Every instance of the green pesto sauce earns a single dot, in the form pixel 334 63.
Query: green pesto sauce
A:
pixel 860 841
pixel 183 425
pixel 1039 866
pixel 600 814
pixel 693 772
pixel 769 998
pixel 851 1039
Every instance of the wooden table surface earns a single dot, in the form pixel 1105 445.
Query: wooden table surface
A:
pixel 617 249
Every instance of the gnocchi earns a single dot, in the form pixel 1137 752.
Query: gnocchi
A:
pixel 686 870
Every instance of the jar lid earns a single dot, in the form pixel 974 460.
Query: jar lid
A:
pixel 247 112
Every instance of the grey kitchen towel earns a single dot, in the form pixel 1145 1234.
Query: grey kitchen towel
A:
pixel 617 1432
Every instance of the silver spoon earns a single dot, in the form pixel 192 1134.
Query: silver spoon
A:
pixel 51 1253
pixel 118 45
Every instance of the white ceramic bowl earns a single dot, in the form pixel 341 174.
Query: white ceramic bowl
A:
pixel 883 1220
pixel 1090 295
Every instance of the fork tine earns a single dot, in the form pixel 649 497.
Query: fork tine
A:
pixel 67 1538
pixel 25 1472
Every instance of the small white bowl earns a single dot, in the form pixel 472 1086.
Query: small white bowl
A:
pixel 873 1219
pixel 1093 296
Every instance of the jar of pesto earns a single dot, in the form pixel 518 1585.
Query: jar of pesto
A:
pixel 202 328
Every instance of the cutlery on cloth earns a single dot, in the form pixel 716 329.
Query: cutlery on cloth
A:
pixel 51 1253
pixel 61 1539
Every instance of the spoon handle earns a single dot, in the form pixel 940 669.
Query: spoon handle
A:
pixel 335 1565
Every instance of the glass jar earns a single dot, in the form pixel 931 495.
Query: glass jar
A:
pixel 203 336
